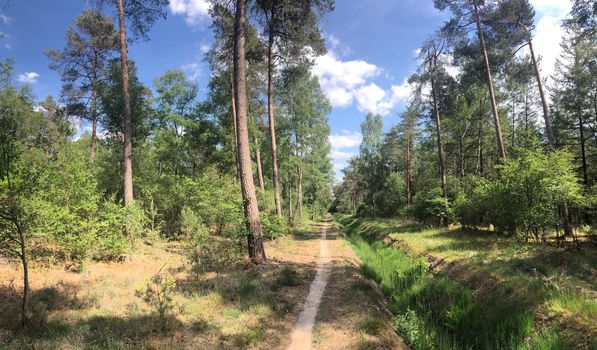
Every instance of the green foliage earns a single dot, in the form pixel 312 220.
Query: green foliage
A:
pixel 525 196
pixel 430 207
pixel 273 226
pixel 413 329
pixel 432 310
pixel 158 295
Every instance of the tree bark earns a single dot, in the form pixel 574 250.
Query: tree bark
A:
pixel 583 155
pixel 272 122
pixel 233 113
pixel 127 132
pixel 259 166
pixel 496 118
pixel 299 193
pixel 546 117
pixel 408 175
pixel 440 145
pixel 94 112
pixel 251 209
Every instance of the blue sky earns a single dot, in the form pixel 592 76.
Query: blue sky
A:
pixel 371 51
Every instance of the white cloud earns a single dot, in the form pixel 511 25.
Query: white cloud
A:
pixel 192 70
pixel 372 98
pixel 549 33
pixel 5 19
pixel 336 154
pixel 338 168
pixel 547 39
pixel 340 80
pixel 194 11
pixel 346 139
pixel 204 48
pixel 348 81
pixel 555 7
pixel 28 78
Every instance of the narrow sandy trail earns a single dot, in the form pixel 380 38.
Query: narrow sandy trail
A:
pixel 302 336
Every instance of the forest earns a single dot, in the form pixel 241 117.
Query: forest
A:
pixel 190 219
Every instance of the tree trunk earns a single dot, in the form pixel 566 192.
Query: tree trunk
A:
pixel 259 166
pixel 127 132
pixel 233 113
pixel 546 117
pixel 94 112
pixel 479 165
pixel 583 156
pixel 496 118
pixel 254 235
pixel 26 288
pixel 408 175
pixel 272 122
pixel 299 193
pixel 440 145
pixel 290 209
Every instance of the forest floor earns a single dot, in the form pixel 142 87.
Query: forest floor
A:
pixel 119 305
pixel 556 286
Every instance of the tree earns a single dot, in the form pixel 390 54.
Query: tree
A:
pixel 175 105
pixel 409 130
pixel 83 63
pixel 290 26
pixel 254 231
pixel 575 95
pixel 305 110
pixel 468 11
pixel 141 15
pixel 21 163
pixel 431 72
pixel 514 21
pixel 370 157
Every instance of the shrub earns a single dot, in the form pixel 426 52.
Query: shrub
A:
pixel 529 190
pixel 190 223
pixel 410 326
pixel 273 226
pixel 431 207
pixel 158 295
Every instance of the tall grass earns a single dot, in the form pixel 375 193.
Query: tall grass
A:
pixel 433 312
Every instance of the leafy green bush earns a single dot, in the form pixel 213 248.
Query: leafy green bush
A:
pixel 273 226
pixel 412 328
pixel 528 191
pixel 190 224
pixel 430 207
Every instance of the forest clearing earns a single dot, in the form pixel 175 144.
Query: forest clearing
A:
pixel 298 174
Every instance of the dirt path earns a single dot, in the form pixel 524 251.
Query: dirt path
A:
pixel 302 336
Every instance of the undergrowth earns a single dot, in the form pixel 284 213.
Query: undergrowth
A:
pixel 433 312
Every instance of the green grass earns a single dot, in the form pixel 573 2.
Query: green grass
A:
pixel 438 310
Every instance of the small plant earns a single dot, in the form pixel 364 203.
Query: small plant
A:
pixel 372 326
pixel 158 295
pixel 410 326
pixel 288 277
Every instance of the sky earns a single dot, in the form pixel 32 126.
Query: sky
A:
pixel 372 47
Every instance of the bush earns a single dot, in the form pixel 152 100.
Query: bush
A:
pixel 410 326
pixel 273 226
pixel 530 189
pixel 431 207
pixel 158 295
pixel 190 223
pixel 111 238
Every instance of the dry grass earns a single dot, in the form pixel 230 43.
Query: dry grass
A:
pixel 248 307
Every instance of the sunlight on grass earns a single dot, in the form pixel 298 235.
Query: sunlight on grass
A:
pixel 510 280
